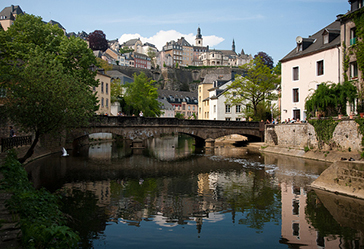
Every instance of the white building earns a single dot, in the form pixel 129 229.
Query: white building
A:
pixel 220 109
pixel 314 60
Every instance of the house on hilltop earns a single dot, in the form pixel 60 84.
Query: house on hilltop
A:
pixel 8 16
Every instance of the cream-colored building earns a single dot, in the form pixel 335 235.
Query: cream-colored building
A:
pixel 314 60
pixel 8 15
pixel 103 93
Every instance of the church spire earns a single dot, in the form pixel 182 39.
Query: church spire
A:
pixel 233 47
pixel 199 40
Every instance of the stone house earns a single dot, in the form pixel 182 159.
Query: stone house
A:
pixel 8 15
pixel 349 40
pixel 185 103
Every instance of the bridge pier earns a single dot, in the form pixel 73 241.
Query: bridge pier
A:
pixel 210 143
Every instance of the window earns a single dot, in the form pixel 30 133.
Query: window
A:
pixel 295 95
pixel 238 108
pixel 102 87
pixel 320 68
pixel 102 102
pixel 2 92
pixel 107 102
pixel 352 36
pixel 227 108
pixel 326 38
pixel 295 73
pixel 214 108
pixel 238 119
pixel 107 88
pixel 353 70
pixel 297 114
pixel 227 119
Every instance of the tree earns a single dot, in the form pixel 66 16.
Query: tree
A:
pixel 125 50
pixel 151 54
pixel 97 40
pixel 116 90
pixel 267 60
pixel 331 98
pixel 141 95
pixel 47 77
pixel 256 86
pixel 103 64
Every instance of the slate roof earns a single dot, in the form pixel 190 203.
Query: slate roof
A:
pixel 10 12
pixel 315 42
pixel 178 96
pixel 210 78
pixel 131 42
pixel 56 23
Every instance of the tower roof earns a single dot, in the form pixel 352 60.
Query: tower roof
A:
pixel 198 36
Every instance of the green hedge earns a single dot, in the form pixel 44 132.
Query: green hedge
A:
pixel 42 223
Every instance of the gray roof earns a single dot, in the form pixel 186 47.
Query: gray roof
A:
pixel 56 23
pixel 117 74
pixel 131 42
pixel 314 43
pixel 10 12
pixel 165 105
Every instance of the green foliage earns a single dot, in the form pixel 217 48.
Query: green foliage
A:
pixel 331 98
pixel 103 64
pixel 179 115
pixel 253 88
pixel 41 221
pixel 125 50
pixel 116 90
pixel 48 75
pixel 263 111
pixel 360 122
pixel 307 149
pixel 324 129
pixel 141 95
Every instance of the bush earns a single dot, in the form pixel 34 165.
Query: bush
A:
pixel 41 221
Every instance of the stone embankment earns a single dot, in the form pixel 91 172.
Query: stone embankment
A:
pixel 345 175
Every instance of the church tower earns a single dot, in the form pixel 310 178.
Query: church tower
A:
pixel 233 47
pixel 199 40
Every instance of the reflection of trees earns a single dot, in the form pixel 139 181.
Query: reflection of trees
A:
pixel 321 219
pixel 256 198
pixel 88 219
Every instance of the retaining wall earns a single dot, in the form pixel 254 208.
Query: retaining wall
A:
pixel 345 137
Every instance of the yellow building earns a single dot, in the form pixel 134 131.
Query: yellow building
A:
pixel 8 16
pixel 103 92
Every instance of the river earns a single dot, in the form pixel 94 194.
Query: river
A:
pixel 173 195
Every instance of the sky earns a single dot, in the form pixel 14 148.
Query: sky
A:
pixel 270 26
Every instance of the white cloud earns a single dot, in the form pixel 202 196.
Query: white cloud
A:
pixel 162 37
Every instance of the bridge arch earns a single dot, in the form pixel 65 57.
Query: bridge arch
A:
pixel 142 128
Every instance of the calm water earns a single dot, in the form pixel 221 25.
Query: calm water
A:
pixel 170 196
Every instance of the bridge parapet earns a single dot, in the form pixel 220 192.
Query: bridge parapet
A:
pixel 142 121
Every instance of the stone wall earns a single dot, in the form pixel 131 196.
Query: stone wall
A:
pixel 177 79
pixel 345 137
pixel 343 177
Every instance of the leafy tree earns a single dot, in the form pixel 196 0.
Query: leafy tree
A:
pixel 103 64
pixel 97 40
pixel 116 90
pixel 141 95
pixel 151 54
pixel 47 77
pixel 125 50
pixel 331 98
pixel 254 87
pixel 179 115
pixel 267 60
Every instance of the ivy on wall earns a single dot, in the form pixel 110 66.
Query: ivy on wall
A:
pixel 324 129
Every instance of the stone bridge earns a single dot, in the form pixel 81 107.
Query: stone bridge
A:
pixel 141 128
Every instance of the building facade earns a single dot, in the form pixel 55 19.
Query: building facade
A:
pixel 103 92
pixel 8 16
pixel 314 60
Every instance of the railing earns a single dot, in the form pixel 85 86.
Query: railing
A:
pixel 11 142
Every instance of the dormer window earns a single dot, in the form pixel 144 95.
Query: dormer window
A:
pixel 326 38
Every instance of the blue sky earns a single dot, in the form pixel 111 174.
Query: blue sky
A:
pixel 265 25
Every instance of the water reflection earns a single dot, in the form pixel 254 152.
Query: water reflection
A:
pixel 171 198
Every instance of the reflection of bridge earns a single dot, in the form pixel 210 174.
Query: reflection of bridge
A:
pixel 142 128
